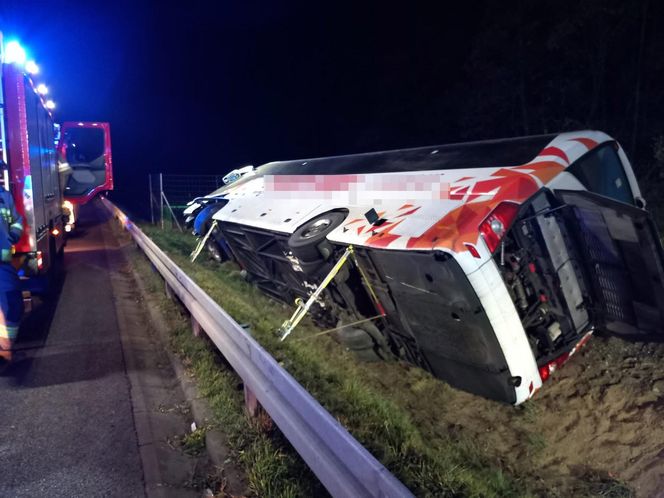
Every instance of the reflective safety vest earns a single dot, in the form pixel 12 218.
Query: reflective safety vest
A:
pixel 11 225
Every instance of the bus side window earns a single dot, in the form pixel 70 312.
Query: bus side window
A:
pixel 602 172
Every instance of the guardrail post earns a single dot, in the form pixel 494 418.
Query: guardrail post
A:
pixel 196 328
pixel 168 291
pixel 251 403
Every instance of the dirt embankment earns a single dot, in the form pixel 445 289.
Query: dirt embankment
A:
pixel 599 420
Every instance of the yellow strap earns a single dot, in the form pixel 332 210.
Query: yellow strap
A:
pixel 201 242
pixel 379 306
pixel 302 308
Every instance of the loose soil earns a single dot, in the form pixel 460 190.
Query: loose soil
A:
pixel 596 422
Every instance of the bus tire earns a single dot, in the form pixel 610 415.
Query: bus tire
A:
pixel 305 241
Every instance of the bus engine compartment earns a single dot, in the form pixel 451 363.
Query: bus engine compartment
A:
pixel 574 262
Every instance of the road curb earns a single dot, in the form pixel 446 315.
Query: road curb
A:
pixel 164 475
pixel 215 440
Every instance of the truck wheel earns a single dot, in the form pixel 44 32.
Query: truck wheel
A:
pixel 56 268
pixel 309 242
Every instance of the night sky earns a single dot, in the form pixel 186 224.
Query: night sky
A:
pixel 207 88
pixel 202 88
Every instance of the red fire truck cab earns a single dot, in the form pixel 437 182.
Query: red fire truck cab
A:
pixel 44 172
pixel 85 164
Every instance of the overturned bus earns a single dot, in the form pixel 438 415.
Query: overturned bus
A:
pixel 487 263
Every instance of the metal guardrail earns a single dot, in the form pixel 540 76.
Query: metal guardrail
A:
pixel 339 461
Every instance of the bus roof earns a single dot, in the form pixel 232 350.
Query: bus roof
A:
pixel 484 154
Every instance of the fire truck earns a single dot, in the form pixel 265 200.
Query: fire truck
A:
pixel 49 169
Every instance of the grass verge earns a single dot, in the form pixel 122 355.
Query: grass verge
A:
pixel 450 467
pixel 272 466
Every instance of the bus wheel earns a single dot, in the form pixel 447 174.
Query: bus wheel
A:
pixel 360 343
pixel 309 242
pixel 214 251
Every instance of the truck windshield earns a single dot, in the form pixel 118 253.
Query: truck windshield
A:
pixel 85 145
pixel 85 154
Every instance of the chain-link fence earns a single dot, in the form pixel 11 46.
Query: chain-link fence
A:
pixel 169 195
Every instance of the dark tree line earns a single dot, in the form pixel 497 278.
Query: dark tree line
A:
pixel 499 69
pixel 538 67
pixel 518 68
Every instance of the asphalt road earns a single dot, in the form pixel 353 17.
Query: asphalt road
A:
pixel 66 424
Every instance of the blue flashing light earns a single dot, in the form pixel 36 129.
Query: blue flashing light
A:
pixel 14 53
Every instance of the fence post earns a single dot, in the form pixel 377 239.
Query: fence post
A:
pixel 161 198
pixel 170 209
pixel 151 198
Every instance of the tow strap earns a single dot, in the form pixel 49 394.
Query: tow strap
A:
pixel 303 307
pixel 344 326
pixel 201 242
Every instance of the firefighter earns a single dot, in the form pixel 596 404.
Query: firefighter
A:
pixel 11 296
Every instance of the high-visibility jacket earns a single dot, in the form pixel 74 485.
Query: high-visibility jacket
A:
pixel 11 225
